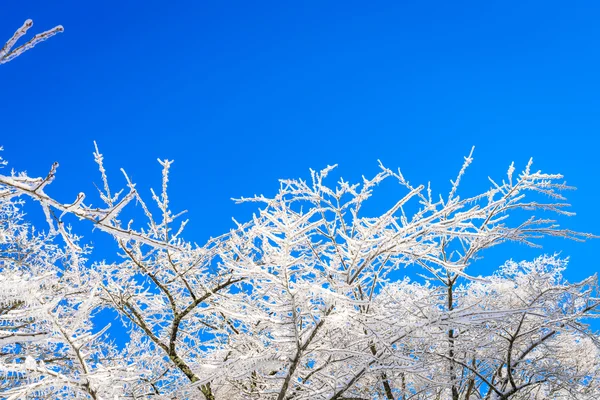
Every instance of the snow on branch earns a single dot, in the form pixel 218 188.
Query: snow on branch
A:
pixel 7 53
pixel 105 219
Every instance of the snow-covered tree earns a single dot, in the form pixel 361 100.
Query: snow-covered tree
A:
pixel 307 299
pixel 320 274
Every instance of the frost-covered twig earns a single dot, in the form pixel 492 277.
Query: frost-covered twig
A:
pixel 7 53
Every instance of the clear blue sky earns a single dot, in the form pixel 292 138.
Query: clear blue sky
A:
pixel 243 93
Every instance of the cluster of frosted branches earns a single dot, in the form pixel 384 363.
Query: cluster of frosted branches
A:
pixel 317 269
pixel 308 300
pixel 105 219
pixel 8 53
pixel 48 345
pixel 304 300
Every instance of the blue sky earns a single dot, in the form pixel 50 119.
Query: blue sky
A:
pixel 243 93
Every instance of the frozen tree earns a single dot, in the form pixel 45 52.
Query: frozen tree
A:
pixel 320 273
pixel 308 299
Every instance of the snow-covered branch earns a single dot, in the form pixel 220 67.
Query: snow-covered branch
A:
pixel 7 53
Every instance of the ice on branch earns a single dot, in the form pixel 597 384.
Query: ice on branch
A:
pixel 7 53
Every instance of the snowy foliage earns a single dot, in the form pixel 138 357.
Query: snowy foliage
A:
pixel 309 299
pixel 48 346
pixel 301 302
